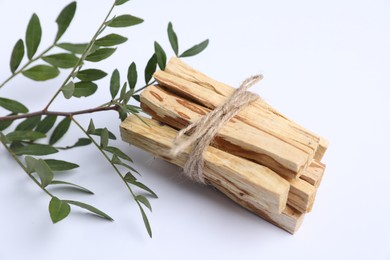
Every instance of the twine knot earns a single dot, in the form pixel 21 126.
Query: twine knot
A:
pixel 204 130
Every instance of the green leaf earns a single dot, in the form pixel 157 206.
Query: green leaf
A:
pixel 98 132
pixel 15 145
pixel 150 68
pixel 61 60
pixel 125 21
pixel 30 164
pixel 17 55
pixel 35 149
pixel 146 221
pixel 104 138
pixel 173 39
pixel 91 127
pixel 12 105
pixel 132 75
pixel 82 142
pixel 46 124
pixel 127 98
pixel 77 48
pixel 117 152
pixel 134 109
pixel 24 135
pixel 59 209
pixel 90 208
pixel 196 49
pixel 41 72
pixel 160 55
pixel 44 172
pixel 144 201
pixel 120 2
pixel 33 36
pixel 146 188
pixel 60 130
pixel 28 124
pixel 6 123
pixel 137 97
pixel 131 179
pixel 64 18
pixel 90 74
pixel 122 114
pixel 111 40
pixel 114 83
pixel 59 165
pixel 100 54
pixel 78 187
pixel 68 89
pixel 84 89
pixel 115 160
pixel 123 91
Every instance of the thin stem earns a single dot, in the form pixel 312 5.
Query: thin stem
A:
pixel 22 165
pixel 142 88
pixel 117 100
pixel 107 158
pixel 26 65
pixel 57 113
pixel 82 57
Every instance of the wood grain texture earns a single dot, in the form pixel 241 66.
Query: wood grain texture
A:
pixel 269 117
pixel 254 183
pixel 252 186
pixel 260 159
pixel 236 136
pixel 314 173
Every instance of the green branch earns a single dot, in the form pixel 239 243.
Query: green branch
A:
pixel 15 157
pixel 58 113
pixel 105 156
pixel 82 57
pixel 26 65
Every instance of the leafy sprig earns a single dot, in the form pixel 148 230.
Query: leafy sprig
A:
pixel 34 139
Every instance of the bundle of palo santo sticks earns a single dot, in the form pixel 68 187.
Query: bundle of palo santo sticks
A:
pixel 260 159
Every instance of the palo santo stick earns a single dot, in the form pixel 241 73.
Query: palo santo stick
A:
pixel 250 115
pixel 255 183
pixel 314 173
pixel 289 220
pixel 301 196
pixel 302 136
pixel 177 112
pixel 235 136
pixel 254 187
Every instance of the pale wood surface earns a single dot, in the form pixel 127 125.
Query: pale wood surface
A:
pixel 295 134
pixel 314 173
pixel 252 181
pixel 235 136
pixel 251 185
pixel 251 152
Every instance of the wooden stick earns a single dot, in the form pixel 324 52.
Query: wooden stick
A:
pixel 177 112
pixel 254 187
pixel 177 68
pixel 314 173
pixel 289 220
pixel 253 182
pixel 235 136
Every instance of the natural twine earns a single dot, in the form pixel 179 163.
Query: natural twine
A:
pixel 203 130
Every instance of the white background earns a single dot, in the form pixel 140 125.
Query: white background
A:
pixel 326 65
